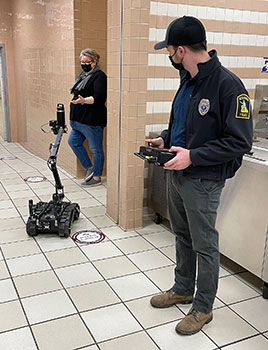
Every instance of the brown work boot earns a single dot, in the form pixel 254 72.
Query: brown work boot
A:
pixel 193 322
pixel 170 298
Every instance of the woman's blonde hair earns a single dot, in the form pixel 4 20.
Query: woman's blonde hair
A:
pixel 91 53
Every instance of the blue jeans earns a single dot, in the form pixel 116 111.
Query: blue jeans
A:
pixel 94 136
pixel 192 206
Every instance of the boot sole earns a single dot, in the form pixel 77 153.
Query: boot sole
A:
pixel 169 305
pixel 195 331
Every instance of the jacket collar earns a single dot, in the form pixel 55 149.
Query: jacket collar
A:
pixel 205 68
pixel 208 67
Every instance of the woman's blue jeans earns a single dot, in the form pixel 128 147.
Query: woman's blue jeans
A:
pixel 94 136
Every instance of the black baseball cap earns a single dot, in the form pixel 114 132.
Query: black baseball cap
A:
pixel 185 30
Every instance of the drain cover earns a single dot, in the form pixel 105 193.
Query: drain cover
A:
pixel 88 236
pixel 8 158
pixel 35 179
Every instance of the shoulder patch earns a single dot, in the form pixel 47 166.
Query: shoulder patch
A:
pixel 242 107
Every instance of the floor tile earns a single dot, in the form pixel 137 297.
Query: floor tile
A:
pixel 149 316
pixel 91 347
pixel 169 252
pixel 13 235
pixel 167 339
pixel 161 239
pixel 253 311
pixel 102 323
pixel 9 176
pixel 75 197
pixel 17 340
pixel 255 343
pixel 231 290
pixel 23 211
pixel 88 202
pixel 133 244
pixel 115 232
pixel 28 264
pixel 94 211
pixel 151 259
pixel 7 290
pixel 101 250
pixel 24 202
pixel 16 187
pixel 47 306
pixel 78 274
pixel 6 204
pixel 150 227
pixel 82 223
pixel 50 242
pixel 223 272
pixel 115 267
pixel 3 270
pixel 21 194
pixel 102 199
pixel 13 223
pixel 31 262
pixel 37 283
pixel 66 333
pixel 134 341
pixel 65 257
pixel 93 295
pixel 12 316
pixel 4 196
pixel 133 286
pixel 217 304
pixel 17 249
pixel 227 327
pixel 8 213
pixel 163 277
pixel 251 280
pixel 102 221
pixel 97 192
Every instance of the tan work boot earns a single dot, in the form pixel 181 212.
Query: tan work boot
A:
pixel 170 298
pixel 193 322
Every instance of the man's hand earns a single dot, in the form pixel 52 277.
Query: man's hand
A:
pixel 158 142
pixel 181 161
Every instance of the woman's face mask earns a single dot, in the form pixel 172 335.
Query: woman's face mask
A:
pixel 86 67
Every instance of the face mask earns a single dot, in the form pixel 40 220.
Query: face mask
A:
pixel 178 66
pixel 86 67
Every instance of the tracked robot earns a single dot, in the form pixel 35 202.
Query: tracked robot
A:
pixel 55 216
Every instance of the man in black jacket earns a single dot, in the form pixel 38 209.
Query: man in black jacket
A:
pixel 210 129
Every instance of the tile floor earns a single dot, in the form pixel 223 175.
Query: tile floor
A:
pixel 56 294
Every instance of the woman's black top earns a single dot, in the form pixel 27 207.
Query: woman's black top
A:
pixel 91 114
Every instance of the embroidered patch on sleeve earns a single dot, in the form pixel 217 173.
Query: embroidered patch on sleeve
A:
pixel 242 107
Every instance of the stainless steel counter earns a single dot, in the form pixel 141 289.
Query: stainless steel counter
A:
pixel 243 213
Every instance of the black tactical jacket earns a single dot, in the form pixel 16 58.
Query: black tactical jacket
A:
pixel 219 122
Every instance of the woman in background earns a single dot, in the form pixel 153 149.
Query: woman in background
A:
pixel 88 116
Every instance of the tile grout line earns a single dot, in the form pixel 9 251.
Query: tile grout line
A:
pixel 19 299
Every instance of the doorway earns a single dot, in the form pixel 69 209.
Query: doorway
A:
pixel 4 108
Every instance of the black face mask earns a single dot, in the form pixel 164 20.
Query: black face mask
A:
pixel 86 67
pixel 178 66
